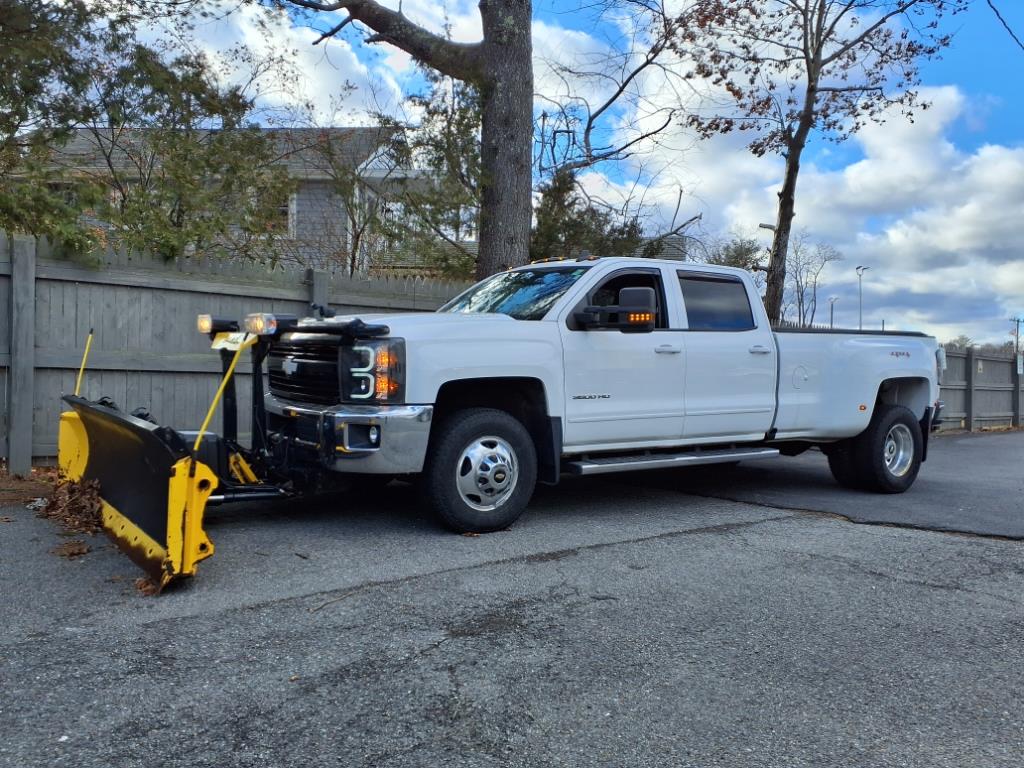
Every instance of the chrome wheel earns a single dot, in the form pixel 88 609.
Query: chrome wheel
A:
pixel 898 450
pixel 487 473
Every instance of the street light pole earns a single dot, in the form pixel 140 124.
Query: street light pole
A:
pixel 860 295
pixel 832 311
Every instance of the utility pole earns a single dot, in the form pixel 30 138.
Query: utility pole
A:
pixel 860 295
pixel 1016 333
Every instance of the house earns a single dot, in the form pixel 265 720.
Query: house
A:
pixel 344 183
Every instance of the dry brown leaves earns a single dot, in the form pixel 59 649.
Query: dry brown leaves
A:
pixel 75 506
pixel 71 549
pixel 19 490
pixel 146 586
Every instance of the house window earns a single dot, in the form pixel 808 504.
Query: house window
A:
pixel 65 190
pixel 276 211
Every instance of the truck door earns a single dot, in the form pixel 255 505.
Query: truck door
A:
pixel 622 387
pixel 730 359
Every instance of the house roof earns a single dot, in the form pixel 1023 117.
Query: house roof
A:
pixel 299 149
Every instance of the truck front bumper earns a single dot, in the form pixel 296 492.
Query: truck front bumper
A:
pixel 371 439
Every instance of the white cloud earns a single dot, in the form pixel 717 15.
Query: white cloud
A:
pixel 939 225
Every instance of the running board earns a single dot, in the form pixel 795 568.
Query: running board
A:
pixel 600 465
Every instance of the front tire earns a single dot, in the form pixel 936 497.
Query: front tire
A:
pixel 481 471
pixel 887 455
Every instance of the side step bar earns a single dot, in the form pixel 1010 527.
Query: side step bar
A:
pixel 600 465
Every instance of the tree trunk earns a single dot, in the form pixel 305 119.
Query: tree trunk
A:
pixel 506 135
pixel 776 285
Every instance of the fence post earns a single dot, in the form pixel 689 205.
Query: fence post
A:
pixel 319 287
pixel 971 381
pixel 23 332
pixel 1017 380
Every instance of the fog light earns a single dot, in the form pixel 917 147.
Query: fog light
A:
pixel 374 435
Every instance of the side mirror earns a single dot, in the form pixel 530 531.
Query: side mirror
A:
pixel 636 312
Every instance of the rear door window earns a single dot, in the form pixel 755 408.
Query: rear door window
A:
pixel 716 302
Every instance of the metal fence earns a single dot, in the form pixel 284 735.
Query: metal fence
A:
pixel 145 351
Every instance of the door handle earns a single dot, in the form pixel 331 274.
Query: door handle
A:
pixel 668 349
pixel 759 349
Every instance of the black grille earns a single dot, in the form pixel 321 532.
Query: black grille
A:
pixel 305 372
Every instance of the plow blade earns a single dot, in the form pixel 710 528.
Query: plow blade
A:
pixel 153 493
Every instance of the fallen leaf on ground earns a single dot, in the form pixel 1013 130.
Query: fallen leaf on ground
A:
pixel 146 586
pixel 71 549
pixel 6 519
pixel 75 506
pixel 15 489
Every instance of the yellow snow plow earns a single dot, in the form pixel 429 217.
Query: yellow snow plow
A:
pixel 155 482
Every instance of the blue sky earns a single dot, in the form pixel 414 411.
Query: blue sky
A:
pixel 935 207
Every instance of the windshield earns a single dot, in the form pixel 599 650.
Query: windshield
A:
pixel 526 294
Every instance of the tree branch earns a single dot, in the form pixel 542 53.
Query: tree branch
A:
pixel 458 60
pixel 334 30
pixel 1006 26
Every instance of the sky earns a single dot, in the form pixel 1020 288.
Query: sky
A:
pixel 935 207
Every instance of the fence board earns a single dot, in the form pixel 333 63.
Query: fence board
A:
pixel 145 349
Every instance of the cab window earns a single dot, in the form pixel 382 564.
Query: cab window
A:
pixel 716 303
pixel 607 294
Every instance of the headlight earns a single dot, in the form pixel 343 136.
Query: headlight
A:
pixel 373 371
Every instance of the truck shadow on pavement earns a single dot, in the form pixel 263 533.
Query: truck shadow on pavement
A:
pixel 963 488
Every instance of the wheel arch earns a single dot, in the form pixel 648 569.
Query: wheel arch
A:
pixel 522 397
pixel 913 392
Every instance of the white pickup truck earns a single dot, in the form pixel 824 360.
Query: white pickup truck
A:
pixel 592 366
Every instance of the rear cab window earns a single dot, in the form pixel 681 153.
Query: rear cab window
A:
pixel 715 302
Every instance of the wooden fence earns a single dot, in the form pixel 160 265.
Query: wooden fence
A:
pixel 146 351
pixel 981 391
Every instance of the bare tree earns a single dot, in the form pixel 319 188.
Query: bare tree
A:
pixel 792 67
pixel 501 68
pixel 806 263
pixel 614 105
pixel 602 111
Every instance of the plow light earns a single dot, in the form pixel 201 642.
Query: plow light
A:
pixel 266 324
pixel 209 324
pixel 262 324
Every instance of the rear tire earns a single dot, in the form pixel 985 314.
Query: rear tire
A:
pixel 481 471
pixel 887 455
pixel 843 465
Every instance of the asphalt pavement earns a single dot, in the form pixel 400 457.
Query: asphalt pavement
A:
pixel 971 483
pixel 625 621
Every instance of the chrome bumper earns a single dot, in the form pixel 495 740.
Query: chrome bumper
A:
pixel 342 436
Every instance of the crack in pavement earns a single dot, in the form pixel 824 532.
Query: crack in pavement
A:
pixel 856 566
pixel 841 516
pixel 340 595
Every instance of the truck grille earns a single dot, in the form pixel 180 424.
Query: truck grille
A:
pixel 306 372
